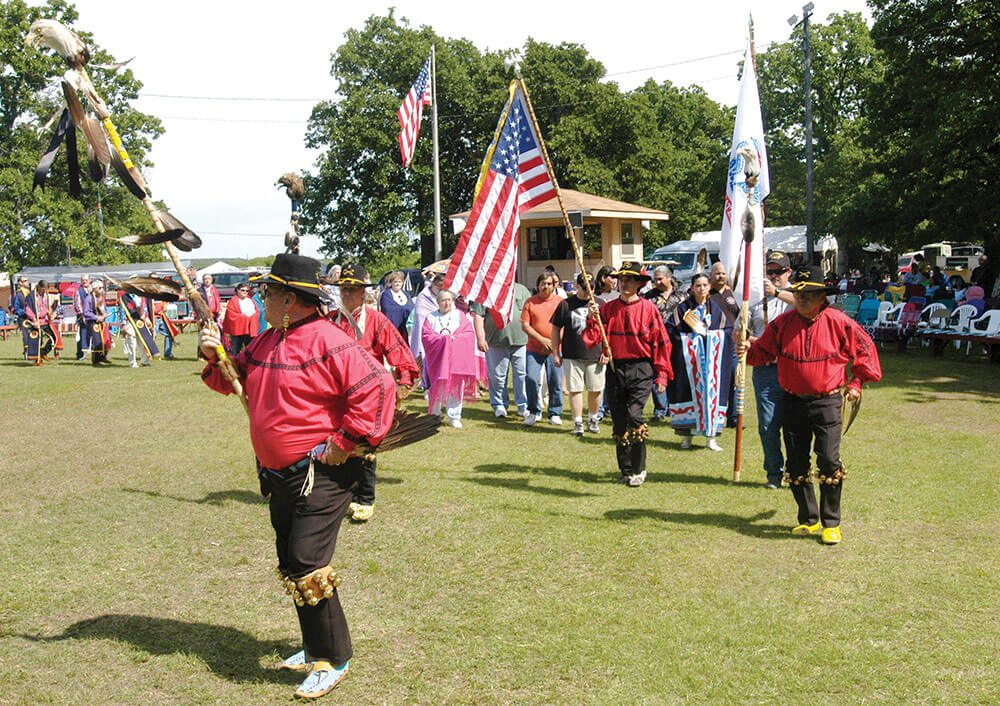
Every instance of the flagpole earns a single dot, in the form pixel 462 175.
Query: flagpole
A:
pixel 749 231
pixel 437 168
pixel 569 226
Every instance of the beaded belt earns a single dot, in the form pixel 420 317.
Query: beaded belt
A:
pixel 820 396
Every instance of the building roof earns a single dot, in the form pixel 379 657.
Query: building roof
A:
pixel 62 273
pixel 591 206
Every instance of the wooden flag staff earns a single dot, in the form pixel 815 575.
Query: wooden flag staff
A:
pixel 562 207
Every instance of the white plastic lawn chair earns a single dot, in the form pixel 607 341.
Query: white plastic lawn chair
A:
pixel 959 321
pixel 986 325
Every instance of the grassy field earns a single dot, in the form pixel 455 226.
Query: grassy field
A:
pixel 503 564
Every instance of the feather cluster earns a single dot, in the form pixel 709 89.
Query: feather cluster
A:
pixel 62 39
pixel 101 154
pixel 294 187
pixel 158 288
pixel 407 428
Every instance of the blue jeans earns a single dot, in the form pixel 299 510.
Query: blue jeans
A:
pixel 770 407
pixel 535 363
pixel 659 404
pixel 168 340
pixel 499 361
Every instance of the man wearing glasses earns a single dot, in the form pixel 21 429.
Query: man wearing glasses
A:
pixel 767 389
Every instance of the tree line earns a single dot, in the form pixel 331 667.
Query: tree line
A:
pixel 906 133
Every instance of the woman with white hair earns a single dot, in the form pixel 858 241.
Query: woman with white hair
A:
pixel 450 366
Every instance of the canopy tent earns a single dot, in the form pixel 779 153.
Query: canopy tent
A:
pixel 788 239
pixel 217 267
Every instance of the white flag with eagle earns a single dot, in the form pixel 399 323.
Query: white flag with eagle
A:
pixel 748 147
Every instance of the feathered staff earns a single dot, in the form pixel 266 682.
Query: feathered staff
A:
pixel 295 190
pixel 169 230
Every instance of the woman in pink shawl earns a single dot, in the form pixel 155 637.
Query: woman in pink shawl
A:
pixel 449 343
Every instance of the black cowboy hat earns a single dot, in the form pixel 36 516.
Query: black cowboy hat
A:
pixel 810 279
pixel 355 275
pixel 633 269
pixel 296 272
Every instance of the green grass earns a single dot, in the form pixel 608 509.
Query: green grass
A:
pixel 503 565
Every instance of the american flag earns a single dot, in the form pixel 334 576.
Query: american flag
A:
pixel 411 111
pixel 514 179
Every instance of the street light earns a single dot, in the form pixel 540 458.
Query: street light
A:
pixel 793 21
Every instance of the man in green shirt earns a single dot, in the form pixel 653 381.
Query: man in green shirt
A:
pixel 504 349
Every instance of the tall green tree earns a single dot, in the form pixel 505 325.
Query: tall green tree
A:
pixel 935 125
pixel 659 146
pixel 41 227
pixel 845 65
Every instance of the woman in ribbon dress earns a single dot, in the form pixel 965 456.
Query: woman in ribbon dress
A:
pixel 701 356
pixel 450 365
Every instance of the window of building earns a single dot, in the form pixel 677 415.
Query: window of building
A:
pixel 593 245
pixel 628 240
pixel 550 243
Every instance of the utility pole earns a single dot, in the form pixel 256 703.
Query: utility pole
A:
pixel 794 20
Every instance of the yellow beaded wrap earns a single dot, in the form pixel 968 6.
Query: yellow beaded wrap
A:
pixel 311 588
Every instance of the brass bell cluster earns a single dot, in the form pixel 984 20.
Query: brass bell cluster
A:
pixel 834 478
pixel 311 588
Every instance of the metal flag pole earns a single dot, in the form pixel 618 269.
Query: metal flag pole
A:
pixel 562 207
pixel 437 158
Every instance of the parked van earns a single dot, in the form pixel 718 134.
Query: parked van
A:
pixel 686 257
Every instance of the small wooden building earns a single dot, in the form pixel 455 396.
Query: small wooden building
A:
pixel 612 232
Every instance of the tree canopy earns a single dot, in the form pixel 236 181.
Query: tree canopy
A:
pixel 659 146
pixel 41 227
pixel 935 125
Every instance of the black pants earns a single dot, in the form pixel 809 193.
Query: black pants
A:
pixel 628 387
pixel 815 423
pixel 238 343
pixel 365 493
pixel 305 529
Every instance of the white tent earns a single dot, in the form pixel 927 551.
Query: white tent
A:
pixel 215 268
pixel 788 239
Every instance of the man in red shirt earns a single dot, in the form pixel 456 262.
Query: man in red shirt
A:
pixel 312 394
pixel 385 344
pixel 536 320
pixel 242 320
pixel 813 345
pixel 640 352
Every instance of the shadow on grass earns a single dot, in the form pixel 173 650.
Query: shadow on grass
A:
pixel 743 525
pixel 228 652
pixel 582 476
pixel 611 476
pixel 217 498
pixel 525 484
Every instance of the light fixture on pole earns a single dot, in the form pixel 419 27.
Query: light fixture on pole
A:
pixel 793 21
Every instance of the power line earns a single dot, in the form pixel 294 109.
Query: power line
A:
pixel 315 100
pixel 254 235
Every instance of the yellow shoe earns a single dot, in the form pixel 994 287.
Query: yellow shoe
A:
pixel 807 529
pixel 363 513
pixel 831 535
pixel 353 507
